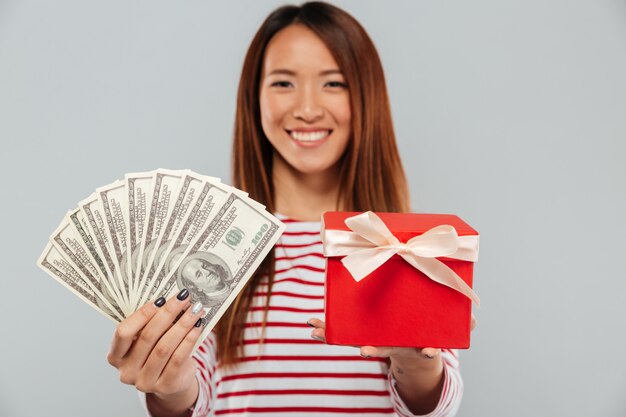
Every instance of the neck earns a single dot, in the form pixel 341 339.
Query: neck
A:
pixel 303 196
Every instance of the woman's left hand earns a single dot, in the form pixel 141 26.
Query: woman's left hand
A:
pixel 428 353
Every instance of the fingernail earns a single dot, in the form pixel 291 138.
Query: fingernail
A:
pixel 365 356
pixel 429 356
pixel 196 307
pixel 183 294
pixel 316 337
pixel 198 323
pixel 309 324
pixel 159 302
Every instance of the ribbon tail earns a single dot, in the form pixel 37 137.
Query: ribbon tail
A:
pixel 441 273
pixel 362 263
pixel 468 249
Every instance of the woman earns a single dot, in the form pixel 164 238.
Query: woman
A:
pixel 313 134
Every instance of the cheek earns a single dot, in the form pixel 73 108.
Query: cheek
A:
pixel 272 109
pixel 264 105
pixel 341 111
pixel 343 116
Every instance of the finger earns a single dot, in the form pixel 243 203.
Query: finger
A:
pixel 156 328
pixel 380 352
pixel 319 334
pixel 169 342
pixel 127 330
pixel 473 322
pixel 180 364
pixel 430 353
pixel 317 323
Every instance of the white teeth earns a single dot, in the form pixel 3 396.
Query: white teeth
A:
pixel 309 136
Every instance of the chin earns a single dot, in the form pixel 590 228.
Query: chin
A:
pixel 311 170
pixel 312 166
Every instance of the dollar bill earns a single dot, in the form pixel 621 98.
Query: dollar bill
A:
pixel 112 199
pixel 186 224
pixel 66 241
pixel 164 189
pixel 93 221
pixel 157 232
pixel 243 195
pixel 139 197
pixel 53 263
pixel 217 265
pixel 78 225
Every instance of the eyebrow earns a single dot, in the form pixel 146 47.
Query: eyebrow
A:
pixel 284 71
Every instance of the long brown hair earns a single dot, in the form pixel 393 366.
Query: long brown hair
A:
pixel 372 177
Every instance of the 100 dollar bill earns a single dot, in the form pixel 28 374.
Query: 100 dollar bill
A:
pixel 216 267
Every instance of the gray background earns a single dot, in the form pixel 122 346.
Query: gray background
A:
pixel 508 113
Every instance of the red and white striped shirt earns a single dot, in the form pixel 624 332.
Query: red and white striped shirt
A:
pixel 291 374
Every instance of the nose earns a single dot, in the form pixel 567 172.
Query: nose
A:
pixel 307 107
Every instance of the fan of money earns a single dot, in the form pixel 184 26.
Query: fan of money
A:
pixel 157 232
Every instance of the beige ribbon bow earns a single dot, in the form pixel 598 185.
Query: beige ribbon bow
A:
pixel 371 244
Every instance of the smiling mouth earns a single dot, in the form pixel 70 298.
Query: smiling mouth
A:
pixel 314 136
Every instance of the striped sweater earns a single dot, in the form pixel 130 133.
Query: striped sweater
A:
pixel 291 374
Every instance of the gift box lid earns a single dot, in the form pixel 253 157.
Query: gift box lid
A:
pixel 403 225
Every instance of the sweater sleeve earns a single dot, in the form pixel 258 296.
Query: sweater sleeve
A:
pixel 206 358
pixel 451 393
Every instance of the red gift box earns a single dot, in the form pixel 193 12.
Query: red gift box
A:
pixel 397 304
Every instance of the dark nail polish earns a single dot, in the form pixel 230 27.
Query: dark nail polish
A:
pixel 183 294
pixel 429 356
pixel 309 324
pixel 365 356
pixel 159 302
pixel 198 323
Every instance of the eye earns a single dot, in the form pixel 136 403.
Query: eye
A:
pixel 281 84
pixel 336 84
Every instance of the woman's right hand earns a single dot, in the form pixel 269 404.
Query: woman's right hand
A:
pixel 152 351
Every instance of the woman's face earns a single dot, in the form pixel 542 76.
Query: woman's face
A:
pixel 305 102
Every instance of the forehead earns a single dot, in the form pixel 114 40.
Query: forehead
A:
pixel 297 47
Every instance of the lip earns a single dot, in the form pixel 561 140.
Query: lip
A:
pixel 311 144
pixel 308 129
